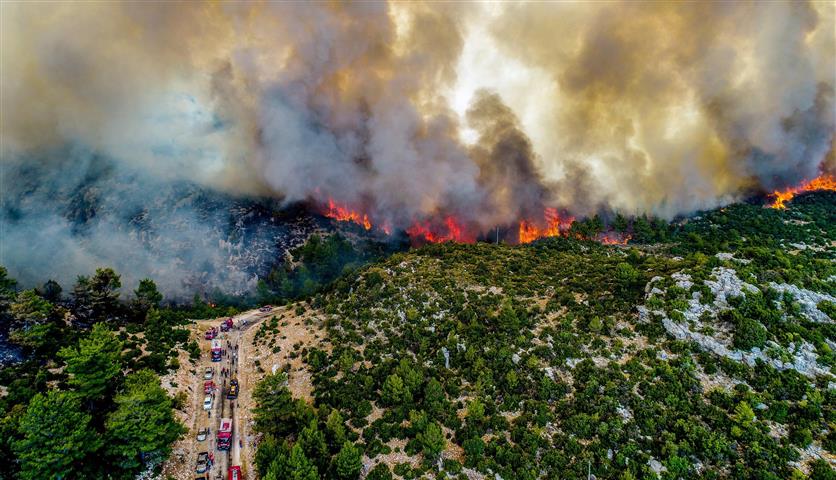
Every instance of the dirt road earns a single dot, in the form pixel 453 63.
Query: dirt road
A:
pixel 182 463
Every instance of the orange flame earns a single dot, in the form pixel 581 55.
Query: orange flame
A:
pixel 823 182
pixel 450 231
pixel 345 214
pixel 554 226
pixel 614 238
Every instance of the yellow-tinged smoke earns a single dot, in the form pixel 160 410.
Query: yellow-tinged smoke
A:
pixel 408 110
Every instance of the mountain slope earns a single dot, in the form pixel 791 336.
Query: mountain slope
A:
pixel 564 357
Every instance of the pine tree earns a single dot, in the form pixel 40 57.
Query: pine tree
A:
pixel 300 467
pixel 434 397
pixel 276 412
pixel 347 462
pixel 97 297
pixel 432 442
pixel 56 437
pixel 94 363
pixel 143 422
pixel 7 290
pixel 51 290
pixel 31 326
pixel 147 297
pixel 336 429
pixel 313 444
pixel 394 391
pixel 508 319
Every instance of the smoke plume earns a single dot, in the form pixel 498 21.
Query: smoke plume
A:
pixel 411 112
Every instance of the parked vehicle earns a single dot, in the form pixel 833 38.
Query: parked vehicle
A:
pixel 225 434
pixel 210 334
pixel 207 402
pixel 266 308
pixel 226 325
pixel 209 373
pixel 217 350
pixel 232 392
pixel 235 473
pixel 209 386
pixel 202 464
pixel 202 434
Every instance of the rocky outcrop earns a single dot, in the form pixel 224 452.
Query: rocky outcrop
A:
pixel 725 285
pixel 807 300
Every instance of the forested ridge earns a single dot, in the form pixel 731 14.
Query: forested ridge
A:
pixel 702 349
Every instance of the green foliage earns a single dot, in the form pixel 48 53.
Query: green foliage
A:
pixel 276 412
pixel 318 262
pixel 394 391
pixel 32 326
pixel 55 437
pixel 97 297
pixel 300 467
pixel 432 442
pixel 143 422
pixel 94 364
pixel 381 471
pixel 749 333
pixel 434 398
pixel 347 463
pixel 312 441
pixel 51 291
pixel 335 428
pixel 147 296
pixel 627 276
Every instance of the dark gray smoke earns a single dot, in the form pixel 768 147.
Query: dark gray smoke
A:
pixel 63 218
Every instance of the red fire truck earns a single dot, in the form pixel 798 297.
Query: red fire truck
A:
pixel 225 434
pixel 211 333
pixel 226 325
pixel 235 473
pixel 217 350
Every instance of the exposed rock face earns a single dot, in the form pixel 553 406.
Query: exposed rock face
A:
pixel 725 285
pixel 808 300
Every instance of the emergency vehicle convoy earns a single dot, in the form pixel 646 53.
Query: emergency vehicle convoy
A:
pixel 225 432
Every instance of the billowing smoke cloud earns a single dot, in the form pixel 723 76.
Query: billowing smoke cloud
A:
pixel 671 107
pixel 411 111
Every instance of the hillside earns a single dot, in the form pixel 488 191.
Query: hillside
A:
pixel 710 356
pixel 704 348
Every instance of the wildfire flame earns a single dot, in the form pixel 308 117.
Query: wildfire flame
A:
pixel 824 182
pixel 450 231
pixel 554 226
pixel 345 214
pixel 614 238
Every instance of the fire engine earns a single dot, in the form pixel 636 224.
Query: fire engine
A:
pixel 235 473
pixel 217 350
pixel 225 434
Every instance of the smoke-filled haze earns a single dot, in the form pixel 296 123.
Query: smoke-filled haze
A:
pixel 418 111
